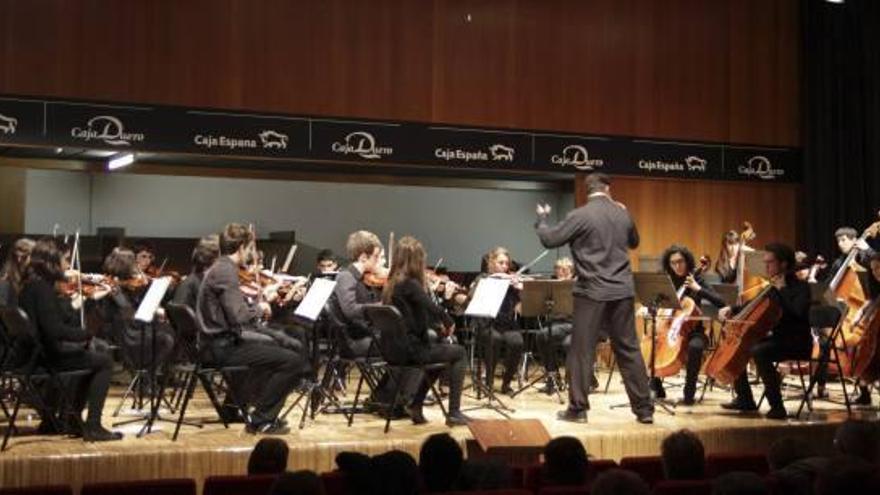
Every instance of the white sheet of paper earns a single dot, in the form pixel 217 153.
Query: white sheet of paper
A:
pixel 488 297
pixel 152 299
pixel 315 299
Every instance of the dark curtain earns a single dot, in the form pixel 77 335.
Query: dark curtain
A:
pixel 841 64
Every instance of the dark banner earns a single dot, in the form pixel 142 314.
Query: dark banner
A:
pixel 21 121
pixel 295 138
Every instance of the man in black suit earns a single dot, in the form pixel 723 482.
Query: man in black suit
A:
pixel 225 315
pixel 599 235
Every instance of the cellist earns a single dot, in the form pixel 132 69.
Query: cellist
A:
pixel 679 264
pixel 847 240
pixel 790 338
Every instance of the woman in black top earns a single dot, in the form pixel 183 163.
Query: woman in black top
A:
pixel 679 264
pixel 135 337
pixel 12 277
pixel 406 290
pixel 726 265
pixel 66 346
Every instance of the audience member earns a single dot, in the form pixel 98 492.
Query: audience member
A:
pixel 565 462
pixel 619 482
pixel 440 462
pixel 268 457
pixel 683 456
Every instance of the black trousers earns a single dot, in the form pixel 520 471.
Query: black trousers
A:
pixel 550 340
pixel 508 342
pixel 696 345
pixel 765 353
pixel 455 356
pixel 618 318
pixel 275 371
pixel 90 389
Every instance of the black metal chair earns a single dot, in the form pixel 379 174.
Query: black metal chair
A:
pixel 393 338
pixel 827 317
pixel 30 370
pixel 188 332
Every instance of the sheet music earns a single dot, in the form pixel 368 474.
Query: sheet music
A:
pixel 152 299
pixel 315 299
pixel 488 297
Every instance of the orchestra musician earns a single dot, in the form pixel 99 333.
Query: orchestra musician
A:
pixel 203 257
pixel 599 235
pixel 406 289
pixel 351 293
pixel 847 240
pixel 558 334
pixel 12 277
pixel 118 309
pixel 678 262
pixel 326 262
pixel 727 264
pixel 503 330
pixel 789 339
pixel 225 315
pixel 66 344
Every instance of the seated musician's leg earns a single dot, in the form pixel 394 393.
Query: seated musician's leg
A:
pixel 695 346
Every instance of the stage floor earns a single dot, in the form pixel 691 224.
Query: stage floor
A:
pixel 610 434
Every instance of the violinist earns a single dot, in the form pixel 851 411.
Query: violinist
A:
pixel 503 331
pixel 790 338
pixel 727 264
pixel 66 345
pixel 352 293
pixel 326 263
pixel 134 337
pixel 12 277
pixel 204 255
pixel 225 315
pixel 560 332
pixel 406 290
pixel 678 262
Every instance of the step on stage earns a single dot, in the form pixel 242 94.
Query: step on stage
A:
pixel 610 434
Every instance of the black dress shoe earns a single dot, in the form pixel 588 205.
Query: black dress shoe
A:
pixel 506 389
pixel 415 413
pixel 92 433
pixel 777 413
pixel 686 401
pixel 738 405
pixel 645 419
pixel 457 418
pixel 268 428
pixel 864 398
pixel 572 415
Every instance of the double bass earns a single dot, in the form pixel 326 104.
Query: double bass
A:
pixel 744 329
pixel 866 361
pixel 673 328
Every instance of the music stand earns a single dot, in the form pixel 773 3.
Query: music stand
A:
pixel 310 312
pixel 548 299
pixel 484 306
pixel 655 291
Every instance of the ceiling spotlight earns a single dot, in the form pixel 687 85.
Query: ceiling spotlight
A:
pixel 120 161
pixel 834 1
pixel 58 151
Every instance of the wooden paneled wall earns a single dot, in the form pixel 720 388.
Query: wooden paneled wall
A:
pixel 12 199
pixel 696 214
pixel 720 70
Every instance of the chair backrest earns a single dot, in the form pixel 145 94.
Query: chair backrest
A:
pixel 142 487
pixel 393 334
pixel 682 487
pixel 599 466
pixel 718 464
pixel 21 334
pixel 186 325
pixel 239 485
pixel 564 490
pixel 38 490
pixel 650 468
pixel 824 316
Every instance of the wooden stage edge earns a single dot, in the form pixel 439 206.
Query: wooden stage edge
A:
pixel 213 450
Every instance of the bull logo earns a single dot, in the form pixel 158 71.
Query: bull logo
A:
pixel 695 163
pixel 501 153
pixel 8 124
pixel 273 140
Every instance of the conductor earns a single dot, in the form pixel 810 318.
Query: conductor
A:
pixel 599 235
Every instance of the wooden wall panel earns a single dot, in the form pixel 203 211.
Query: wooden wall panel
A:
pixel 696 214
pixel 724 70
pixel 12 199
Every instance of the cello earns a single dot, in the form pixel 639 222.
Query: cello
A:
pixel 866 361
pixel 673 327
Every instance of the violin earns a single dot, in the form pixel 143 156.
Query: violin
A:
pixel 376 278
pixel 158 272
pixel 91 284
